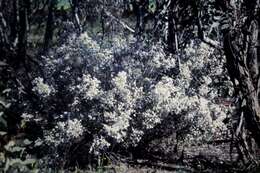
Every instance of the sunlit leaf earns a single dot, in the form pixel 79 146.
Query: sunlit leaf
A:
pixel 27 142
pixel 63 4
pixel 152 6
pixel 3 122
pixel 2 133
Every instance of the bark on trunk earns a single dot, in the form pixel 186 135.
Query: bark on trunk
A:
pixel 14 24
pixel 75 11
pixel 23 24
pixel 171 31
pixel 48 37
pixel 243 67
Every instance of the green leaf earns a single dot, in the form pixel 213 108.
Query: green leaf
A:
pixel 4 104
pixel 152 6
pixel 10 144
pixel 65 4
pixel 2 63
pixel 3 122
pixel 16 149
pixel 12 148
pixel 38 143
pixel 6 90
pixel 21 162
pixel 2 133
pixel 29 161
pixel 27 142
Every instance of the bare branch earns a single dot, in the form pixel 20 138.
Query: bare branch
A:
pixel 211 42
pixel 125 26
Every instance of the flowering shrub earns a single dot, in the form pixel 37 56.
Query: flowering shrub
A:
pixel 115 94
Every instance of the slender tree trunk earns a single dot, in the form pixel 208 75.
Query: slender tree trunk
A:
pixel 3 31
pixel 171 32
pixel 14 24
pixel 23 24
pixel 75 11
pixel 139 8
pixel 48 37
pixel 138 18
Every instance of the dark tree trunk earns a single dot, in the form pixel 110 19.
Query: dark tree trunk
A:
pixel 3 31
pixel 241 49
pixel 138 18
pixel 48 37
pixel 23 24
pixel 171 30
pixel 3 27
pixel 75 11
pixel 139 10
pixel 14 23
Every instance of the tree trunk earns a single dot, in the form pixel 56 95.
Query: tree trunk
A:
pixel 171 31
pixel 14 24
pixel 48 37
pixel 242 53
pixel 75 11
pixel 139 8
pixel 23 24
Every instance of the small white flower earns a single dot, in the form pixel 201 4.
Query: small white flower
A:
pixel 99 144
pixel 74 128
pixel 90 87
pixel 204 90
pixel 163 89
pixel 42 88
pixel 185 71
pixel 27 117
pixel 151 119
pixel 120 80
pixel 207 80
pixel 89 42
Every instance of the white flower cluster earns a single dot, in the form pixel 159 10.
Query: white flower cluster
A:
pixel 64 132
pixel 41 88
pixel 119 43
pixel 163 90
pixel 89 42
pixel 99 144
pixel 27 117
pixel 150 119
pixel 89 87
pixel 73 128
pixel 118 128
pixel 160 60
pixel 120 80
pixel 118 121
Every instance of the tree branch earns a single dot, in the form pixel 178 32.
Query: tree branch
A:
pixel 125 26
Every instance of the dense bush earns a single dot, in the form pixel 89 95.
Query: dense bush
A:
pixel 101 97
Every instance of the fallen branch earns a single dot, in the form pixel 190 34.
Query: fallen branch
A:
pixel 125 26
pixel 161 166
pixel 211 42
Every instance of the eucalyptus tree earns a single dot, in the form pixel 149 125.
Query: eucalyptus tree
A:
pixel 241 46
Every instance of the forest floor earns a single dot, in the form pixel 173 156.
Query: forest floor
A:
pixel 210 158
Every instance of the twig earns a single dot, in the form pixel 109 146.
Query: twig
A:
pixel 238 130
pixel 162 166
